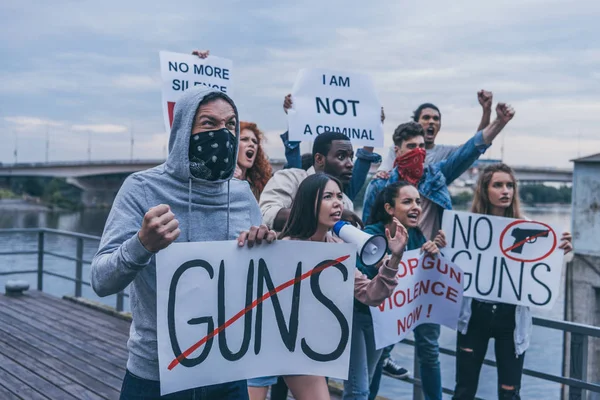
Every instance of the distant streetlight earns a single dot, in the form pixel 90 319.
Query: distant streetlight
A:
pixel 47 142
pixel 89 149
pixel 16 152
pixel 132 141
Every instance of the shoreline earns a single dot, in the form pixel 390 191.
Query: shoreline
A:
pixel 22 205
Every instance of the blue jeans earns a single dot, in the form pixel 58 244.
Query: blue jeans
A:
pixel 136 388
pixel 428 352
pixel 363 358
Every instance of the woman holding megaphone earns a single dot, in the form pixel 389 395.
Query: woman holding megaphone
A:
pixel 317 207
pixel 397 202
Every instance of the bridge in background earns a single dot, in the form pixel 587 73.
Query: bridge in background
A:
pixel 100 180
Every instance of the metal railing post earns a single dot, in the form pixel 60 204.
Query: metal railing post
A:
pixel 578 365
pixel 79 267
pixel 120 298
pixel 40 269
pixel 417 390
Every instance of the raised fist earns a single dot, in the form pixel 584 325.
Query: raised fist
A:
pixel 504 112
pixel 485 99
pixel 159 228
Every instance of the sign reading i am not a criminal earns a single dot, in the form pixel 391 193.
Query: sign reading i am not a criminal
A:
pixel 344 102
pixel 504 259
pixel 429 291
pixel 226 313
pixel 179 72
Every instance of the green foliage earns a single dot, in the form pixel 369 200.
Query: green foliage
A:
pixel 7 194
pixel 463 198
pixel 60 194
pixel 542 194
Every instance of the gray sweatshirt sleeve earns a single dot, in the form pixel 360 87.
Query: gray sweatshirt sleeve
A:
pixel 121 254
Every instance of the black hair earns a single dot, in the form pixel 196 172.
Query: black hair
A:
pixel 212 96
pixel 304 216
pixel 417 112
pixel 307 161
pixel 388 195
pixel 322 143
pixel 406 131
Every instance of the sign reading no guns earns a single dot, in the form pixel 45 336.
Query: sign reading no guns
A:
pixel 226 313
pixel 506 260
pixel 344 102
pixel 180 72
pixel 429 291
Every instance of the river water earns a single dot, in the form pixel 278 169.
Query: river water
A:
pixel 545 353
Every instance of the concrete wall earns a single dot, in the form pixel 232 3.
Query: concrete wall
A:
pixel 583 275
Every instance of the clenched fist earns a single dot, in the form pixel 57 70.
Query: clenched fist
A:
pixel 504 112
pixel 485 99
pixel 159 228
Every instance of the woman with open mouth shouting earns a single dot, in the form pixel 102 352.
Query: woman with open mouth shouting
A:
pixel 317 207
pixel 252 163
pixel 397 202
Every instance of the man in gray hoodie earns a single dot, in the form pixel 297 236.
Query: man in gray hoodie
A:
pixel 191 197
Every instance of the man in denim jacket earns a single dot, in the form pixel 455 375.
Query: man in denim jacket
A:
pixel 432 182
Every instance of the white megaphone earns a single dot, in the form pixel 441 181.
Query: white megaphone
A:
pixel 370 248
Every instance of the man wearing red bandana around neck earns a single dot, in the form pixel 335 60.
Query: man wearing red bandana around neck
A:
pixel 432 181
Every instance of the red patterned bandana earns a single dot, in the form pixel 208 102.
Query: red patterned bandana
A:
pixel 410 166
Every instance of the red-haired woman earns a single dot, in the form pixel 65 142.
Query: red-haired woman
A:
pixel 252 163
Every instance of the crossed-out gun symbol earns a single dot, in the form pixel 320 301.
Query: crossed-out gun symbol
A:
pixel 523 236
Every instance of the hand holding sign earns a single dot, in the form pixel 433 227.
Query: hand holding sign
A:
pixel 440 240
pixel 159 228
pixel 201 53
pixel 565 242
pixel 256 234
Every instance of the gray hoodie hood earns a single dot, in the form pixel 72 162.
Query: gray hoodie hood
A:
pixel 178 163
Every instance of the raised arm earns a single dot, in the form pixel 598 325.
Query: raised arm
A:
pixel 465 156
pixel 504 113
pixel 373 291
pixel 121 254
pixel 485 99
pixel 364 158
pixel 277 197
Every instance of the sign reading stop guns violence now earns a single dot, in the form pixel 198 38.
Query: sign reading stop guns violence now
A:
pixel 506 260
pixel 180 72
pixel 429 291
pixel 344 102
pixel 226 313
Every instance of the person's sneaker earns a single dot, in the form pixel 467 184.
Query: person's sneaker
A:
pixel 390 368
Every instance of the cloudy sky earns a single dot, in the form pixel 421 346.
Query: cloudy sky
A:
pixel 79 71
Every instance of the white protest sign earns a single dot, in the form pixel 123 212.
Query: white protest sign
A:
pixel 336 101
pixel 429 291
pixel 505 260
pixel 226 313
pixel 183 71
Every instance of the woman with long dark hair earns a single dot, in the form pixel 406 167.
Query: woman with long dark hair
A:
pixel 317 207
pixel 509 325
pixel 399 201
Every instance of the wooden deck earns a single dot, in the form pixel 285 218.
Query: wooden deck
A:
pixel 52 348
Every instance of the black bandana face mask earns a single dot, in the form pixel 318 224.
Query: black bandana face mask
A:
pixel 212 155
